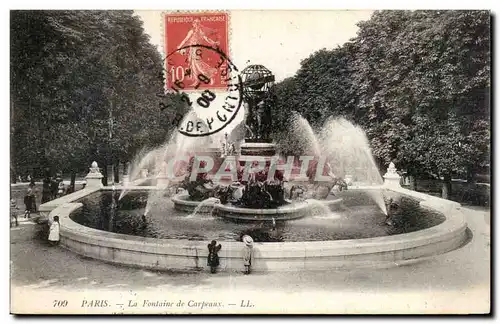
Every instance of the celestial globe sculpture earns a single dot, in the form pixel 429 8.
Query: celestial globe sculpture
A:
pixel 257 80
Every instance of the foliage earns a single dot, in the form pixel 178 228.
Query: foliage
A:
pixel 72 73
pixel 418 82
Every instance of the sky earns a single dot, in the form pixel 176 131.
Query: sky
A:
pixel 277 39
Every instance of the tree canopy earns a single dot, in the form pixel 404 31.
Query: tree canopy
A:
pixel 418 82
pixel 84 87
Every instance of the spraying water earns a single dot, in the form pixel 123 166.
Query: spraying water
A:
pixel 143 160
pixel 344 144
pixel 347 150
pixel 155 199
pixel 321 210
pixel 155 160
pixel 209 202
pixel 308 138
pixel 349 153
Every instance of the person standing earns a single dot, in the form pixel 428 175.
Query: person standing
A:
pixel 54 231
pixel 54 187
pixel 247 252
pixel 32 186
pixel 32 183
pixel 28 203
pixel 213 257
pixel 46 193
pixel 14 210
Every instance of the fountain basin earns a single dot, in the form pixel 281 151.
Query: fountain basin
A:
pixel 293 210
pixel 182 202
pixel 183 254
pixel 187 254
pixel 286 212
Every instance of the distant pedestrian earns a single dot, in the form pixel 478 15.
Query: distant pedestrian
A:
pixel 28 178
pixel 28 203
pixel 213 257
pixel 32 183
pixel 46 193
pixel 54 231
pixel 54 187
pixel 247 252
pixel 14 211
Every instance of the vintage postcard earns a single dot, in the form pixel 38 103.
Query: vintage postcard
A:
pixel 250 162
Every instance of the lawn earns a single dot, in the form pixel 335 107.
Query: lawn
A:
pixel 462 192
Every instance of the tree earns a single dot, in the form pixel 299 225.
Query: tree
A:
pixel 416 81
pixel 84 87
pixel 321 88
pixel 426 75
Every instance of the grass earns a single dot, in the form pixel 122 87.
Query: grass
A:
pixel 462 192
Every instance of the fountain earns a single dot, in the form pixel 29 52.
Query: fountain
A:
pixel 339 157
pixel 257 191
pixel 326 206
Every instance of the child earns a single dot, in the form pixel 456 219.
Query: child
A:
pixel 247 252
pixel 32 186
pixel 213 257
pixel 13 211
pixel 28 202
pixel 54 231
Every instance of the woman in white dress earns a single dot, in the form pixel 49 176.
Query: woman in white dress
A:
pixel 54 231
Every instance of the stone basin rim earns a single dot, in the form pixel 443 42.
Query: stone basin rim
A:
pixel 182 254
pixel 455 222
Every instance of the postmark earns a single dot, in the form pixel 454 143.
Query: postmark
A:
pixel 210 110
pixel 198 68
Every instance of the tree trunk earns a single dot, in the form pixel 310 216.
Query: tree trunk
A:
pixel 446 189
pixel 105 174
pixel 413 182
pixel 72 183
pixel 12 145
pixel 13 177
pixel 116 174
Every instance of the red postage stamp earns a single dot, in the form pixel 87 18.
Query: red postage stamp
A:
pixel 186 61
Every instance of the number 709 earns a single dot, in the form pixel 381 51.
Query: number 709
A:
pixel 60 303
